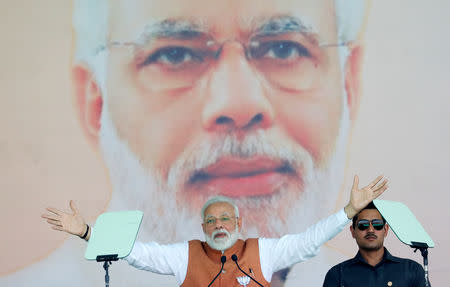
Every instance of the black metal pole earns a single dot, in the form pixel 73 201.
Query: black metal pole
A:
pixel 106 266
pixel 107 259
pixel 424 252
pixel 423 247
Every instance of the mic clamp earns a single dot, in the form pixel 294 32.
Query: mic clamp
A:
pixel 235 259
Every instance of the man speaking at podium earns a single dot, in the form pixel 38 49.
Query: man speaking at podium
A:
pixel 197 263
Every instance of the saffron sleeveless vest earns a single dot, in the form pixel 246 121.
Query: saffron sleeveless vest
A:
pixel 204 264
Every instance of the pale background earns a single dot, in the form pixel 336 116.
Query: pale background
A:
pixel 402 130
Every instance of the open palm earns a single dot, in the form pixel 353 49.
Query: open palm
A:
pixel 361 197
pixel 71 223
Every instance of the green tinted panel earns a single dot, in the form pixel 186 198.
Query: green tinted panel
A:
pixel 403 222
pixel 114 233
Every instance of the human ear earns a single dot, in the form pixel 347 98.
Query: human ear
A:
pixel 239 223
pixel 386 229
pixel 88 101
pixel 352 231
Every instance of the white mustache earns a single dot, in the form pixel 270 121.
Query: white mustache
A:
pixel 215 232
pixel 293 156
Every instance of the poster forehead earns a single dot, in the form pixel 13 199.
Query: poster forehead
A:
pixel 128 19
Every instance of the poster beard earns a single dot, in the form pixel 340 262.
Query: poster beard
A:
pixel 289 209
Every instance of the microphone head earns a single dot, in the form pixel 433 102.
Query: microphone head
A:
pixel 234 257
pixel 223 259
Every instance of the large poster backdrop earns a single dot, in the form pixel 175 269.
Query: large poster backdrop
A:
pixel 274 103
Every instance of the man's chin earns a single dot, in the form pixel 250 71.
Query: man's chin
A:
pixel 222 244
pixel 372 247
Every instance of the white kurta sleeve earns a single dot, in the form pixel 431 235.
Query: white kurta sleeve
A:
pixel 278 253
pixel 170 259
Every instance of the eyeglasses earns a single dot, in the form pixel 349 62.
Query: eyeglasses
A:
pixel 290 61
pixel 210 221
pixel 364 224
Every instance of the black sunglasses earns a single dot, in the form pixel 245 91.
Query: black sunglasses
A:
pixel 364 224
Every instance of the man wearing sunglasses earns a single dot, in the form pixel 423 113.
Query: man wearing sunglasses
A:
pixel 373 265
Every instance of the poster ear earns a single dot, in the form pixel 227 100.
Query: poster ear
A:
pixel 353 79
pixel 88 102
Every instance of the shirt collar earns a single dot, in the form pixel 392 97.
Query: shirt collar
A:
pixel 387 256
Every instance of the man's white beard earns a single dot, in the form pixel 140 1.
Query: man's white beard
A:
pixel 136 186
pixel 222 244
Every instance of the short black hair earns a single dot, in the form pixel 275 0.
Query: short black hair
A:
pixel 371 205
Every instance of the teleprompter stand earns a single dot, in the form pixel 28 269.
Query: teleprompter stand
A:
pixel 107 259
pixel 407 229
pixel 423 247
pixel 113 237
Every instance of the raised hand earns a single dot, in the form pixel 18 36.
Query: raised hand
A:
pixel 360 198
pixel 62 221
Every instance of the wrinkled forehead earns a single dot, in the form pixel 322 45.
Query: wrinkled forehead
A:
pixel 128 19
pixel 219 209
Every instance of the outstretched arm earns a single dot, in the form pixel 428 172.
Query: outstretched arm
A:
pixel 154 257
pixel 360 198
pixel 72 223
pixel 277 254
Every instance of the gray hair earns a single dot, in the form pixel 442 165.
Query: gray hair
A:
pixel 217 199
pixel 350 17
pixel 90 24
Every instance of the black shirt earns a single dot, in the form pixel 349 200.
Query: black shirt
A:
pixel 391 271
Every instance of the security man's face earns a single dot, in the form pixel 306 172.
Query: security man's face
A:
pixel 370 239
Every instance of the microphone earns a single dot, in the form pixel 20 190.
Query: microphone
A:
pixel 234 258
pixel 223 259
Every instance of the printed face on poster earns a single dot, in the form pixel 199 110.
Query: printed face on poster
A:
pixel 197 99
